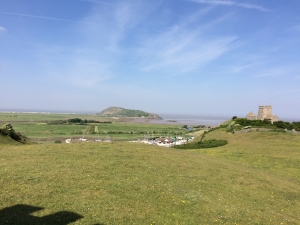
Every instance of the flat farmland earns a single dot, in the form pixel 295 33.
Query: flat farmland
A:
pixel 44 117
pixel 42 130
pixel 42 127
pixel 116 130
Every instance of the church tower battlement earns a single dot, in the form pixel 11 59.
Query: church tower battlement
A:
pixel 264 111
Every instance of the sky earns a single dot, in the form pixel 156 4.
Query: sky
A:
pixel 193 57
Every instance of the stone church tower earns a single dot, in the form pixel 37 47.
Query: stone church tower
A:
pixel 264 113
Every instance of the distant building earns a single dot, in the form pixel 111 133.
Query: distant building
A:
pixel 164 140
pixel 264 113
pixel 251 116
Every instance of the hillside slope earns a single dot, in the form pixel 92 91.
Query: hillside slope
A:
pixel 6 140
pixel 122 112
pixel 130 183
pixel 9 136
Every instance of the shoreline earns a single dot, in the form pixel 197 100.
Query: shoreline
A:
pixel 197 122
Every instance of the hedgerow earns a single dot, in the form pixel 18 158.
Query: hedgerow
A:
pixel 212 143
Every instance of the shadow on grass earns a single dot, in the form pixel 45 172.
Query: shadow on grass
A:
pixel 20 214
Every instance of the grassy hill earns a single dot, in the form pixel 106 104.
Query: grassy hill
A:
pixel 4 140
pixel 255 179
pixel 118 111
pixel 9 136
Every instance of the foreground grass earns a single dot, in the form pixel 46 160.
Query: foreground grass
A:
pixel 123 183
pixel 5 140
pixel 274 152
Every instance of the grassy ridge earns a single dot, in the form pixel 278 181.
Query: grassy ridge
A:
pixel 274 152
pixel 5 140
pixel 123 183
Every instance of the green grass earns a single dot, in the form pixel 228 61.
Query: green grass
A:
pixel 274 152
pixel 212 143
pixel 255 179
pixel 33 130
pixel 43 117
pixel 118 130
pixel 4 140
pixel 35 117
pixel 35 127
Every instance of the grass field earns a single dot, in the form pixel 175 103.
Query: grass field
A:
pixel 114 130
pixel 255 179
pixel 275 152
pixel 35 126
pixel 43 117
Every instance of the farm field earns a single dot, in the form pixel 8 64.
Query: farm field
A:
pixel 44 117
pixel 34 117
pixel 255 179
pixel 41 127
pixel 116 131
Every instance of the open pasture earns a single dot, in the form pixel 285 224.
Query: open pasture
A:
pixel 42 130
pixel 255 179
pixel 114 130
pixel 39 117
pixel 276 152
pixel 36 127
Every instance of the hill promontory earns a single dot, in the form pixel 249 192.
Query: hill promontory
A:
pixel 121 112
pixel 9 136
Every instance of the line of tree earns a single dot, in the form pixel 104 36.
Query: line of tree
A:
pixel 212 143
pixel 288 125
pixel 75 120
pixel 164 134
pixel 266 123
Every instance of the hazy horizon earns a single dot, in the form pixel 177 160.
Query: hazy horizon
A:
pixel 166 116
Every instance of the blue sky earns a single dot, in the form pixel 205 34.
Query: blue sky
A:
pixel 212 57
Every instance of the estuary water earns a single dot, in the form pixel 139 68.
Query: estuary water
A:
pixel 180 119
pixel 207 120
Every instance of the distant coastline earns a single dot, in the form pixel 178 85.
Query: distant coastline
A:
pixel 208 120
pixel 44 111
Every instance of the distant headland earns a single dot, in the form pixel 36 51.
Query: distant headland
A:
pixel 122 112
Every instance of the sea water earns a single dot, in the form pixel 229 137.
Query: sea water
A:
pixel 207 120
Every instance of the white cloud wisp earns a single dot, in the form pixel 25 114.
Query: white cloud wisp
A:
pixel 2 29
pixel 231 3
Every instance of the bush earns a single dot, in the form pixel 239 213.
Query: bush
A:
pixel 257 123
pixel 74 120
pixel 230 127
pixel 212 143
pixel 55 122
pixel 9 131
